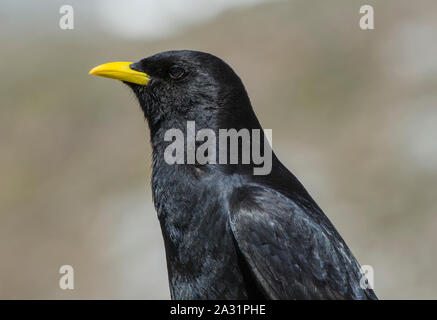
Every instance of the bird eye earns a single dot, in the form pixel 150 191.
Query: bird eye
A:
pixel 176 72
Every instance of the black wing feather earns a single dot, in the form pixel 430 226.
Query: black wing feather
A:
pixel 293 253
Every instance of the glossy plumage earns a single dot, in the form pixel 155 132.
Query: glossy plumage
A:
pixel 229 234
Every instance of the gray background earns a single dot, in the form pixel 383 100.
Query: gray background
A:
pixel 353 115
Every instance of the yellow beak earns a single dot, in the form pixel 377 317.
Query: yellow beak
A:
pixel 120 71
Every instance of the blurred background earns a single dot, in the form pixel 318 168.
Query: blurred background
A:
pixel 353 115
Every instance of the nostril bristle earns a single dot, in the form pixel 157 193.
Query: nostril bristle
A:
pixel 135 66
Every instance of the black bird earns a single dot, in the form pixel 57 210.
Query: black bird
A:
pixel 230 234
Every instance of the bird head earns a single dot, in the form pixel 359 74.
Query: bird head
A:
pixel 178 86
